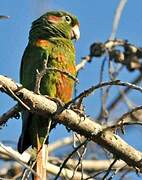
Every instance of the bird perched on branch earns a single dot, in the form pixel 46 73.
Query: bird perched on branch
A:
pixel 48 68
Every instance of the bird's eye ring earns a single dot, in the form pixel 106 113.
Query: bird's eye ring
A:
pixel 68 19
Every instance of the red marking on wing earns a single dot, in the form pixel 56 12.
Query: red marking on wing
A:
pixel 42 43
pixel 70 68
pixel 64 88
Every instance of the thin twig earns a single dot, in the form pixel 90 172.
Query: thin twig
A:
pixel 14 156
pixel 120 122
pixel 81 155
pixel 128 114
pixel 45 70
pixel 60 143
pixel 39 76
pixel 83 62
pixel 95 175
pixel 117 16
pixel 86 127
pixel 109 169
pixel 27 173
pixel 69 156
pixel 12 112
pixel 4 17
pixel 63 72
pixel 102 90
pixel 118 98
pixel 17 98
pixel 126 100
pixel 90 90
pixel 116 171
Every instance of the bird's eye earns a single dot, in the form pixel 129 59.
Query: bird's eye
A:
pixel 68 19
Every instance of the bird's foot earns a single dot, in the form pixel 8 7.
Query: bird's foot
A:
pixel 79 109
pixel 56 100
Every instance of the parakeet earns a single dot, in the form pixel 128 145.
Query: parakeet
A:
pixel 50 40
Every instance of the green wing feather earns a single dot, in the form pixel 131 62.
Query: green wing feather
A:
pixel 32 61
pixel 59 54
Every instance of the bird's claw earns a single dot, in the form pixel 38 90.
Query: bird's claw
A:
pixel 79 110
pixel 56 100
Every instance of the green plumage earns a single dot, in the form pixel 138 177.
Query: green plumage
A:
pixel 50 40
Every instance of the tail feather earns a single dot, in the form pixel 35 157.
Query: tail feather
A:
pixel 24 140
pixel 35 131
pixel 40 166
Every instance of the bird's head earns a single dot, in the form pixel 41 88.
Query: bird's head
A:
pixel 56 24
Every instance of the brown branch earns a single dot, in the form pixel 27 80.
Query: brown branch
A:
pixel 63 72
pixel 133 117
pixel 117 17
pixel 4 17
pixel 119 97
pixel 68 157
pixel 90 90
pixel 109 169
pixel 91 165
pixel 83 125
pixel 62 142
pixel 129 56
pixel 53 169
pixel 130 114
pixel 12 112
pixel 22 159
pixel 39 76
pixel 83 62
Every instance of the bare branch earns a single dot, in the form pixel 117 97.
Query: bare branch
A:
pixel 12 112
pixel 4 17
pixel 83 62
pixel 118 98
pixel 91 165
pixel 117 16
pixel 65 172
pixel 62 142
pixel 66 160
pixel 41 105
pixel 22 159
pixel 109 169
pixel 90 90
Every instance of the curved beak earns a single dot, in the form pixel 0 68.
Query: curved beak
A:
pixel 75 33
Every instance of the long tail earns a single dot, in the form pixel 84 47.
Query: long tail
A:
pixel 40 166
pixel 24 140
pixel 35 132
pixel 42 129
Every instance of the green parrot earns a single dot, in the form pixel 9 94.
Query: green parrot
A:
pixel 50 41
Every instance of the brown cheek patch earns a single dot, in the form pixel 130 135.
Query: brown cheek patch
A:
pixel 53 19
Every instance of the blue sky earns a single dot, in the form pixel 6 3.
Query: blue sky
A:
pixel 95 18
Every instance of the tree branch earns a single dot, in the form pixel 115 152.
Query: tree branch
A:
pixel 91 165
pixel 12 112
pixel 83 125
